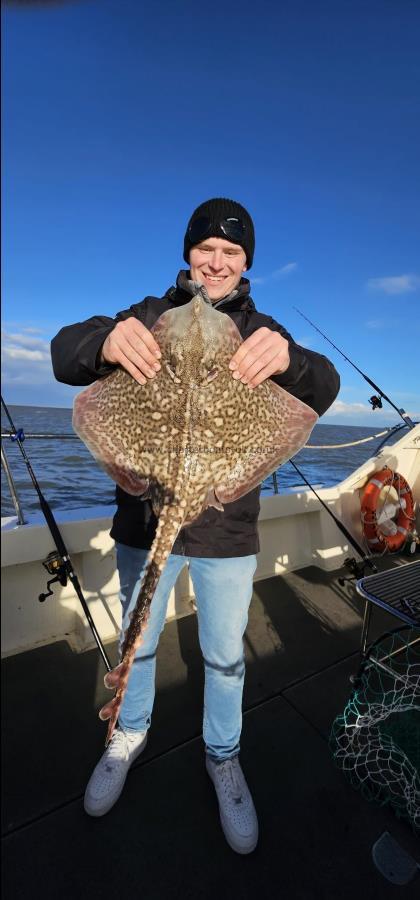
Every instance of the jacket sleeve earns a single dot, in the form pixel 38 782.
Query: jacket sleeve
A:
pixel 76 349
pixel 311 376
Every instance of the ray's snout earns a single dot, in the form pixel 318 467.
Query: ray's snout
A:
pixel 197 306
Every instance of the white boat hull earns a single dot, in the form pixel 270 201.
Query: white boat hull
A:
pixel 295 531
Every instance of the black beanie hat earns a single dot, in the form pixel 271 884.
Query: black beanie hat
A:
pixel 217 210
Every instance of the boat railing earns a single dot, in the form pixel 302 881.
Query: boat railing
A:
pixel 46 435
pixel 12 487
pixel 70 436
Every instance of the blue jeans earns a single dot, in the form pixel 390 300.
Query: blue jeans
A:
pixel 223 591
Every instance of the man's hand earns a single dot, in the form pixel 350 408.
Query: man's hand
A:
pixel 131 345
pixel 262 355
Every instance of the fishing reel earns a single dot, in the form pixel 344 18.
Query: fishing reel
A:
pixel 375 402
pixel 357 570
pixel 55 565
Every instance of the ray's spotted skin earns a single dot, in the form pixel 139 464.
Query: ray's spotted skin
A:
pixel 189 438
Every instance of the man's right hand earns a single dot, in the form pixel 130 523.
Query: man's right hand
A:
pixel 131 345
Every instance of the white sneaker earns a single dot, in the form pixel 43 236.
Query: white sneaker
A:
pixel 237 812
pixel 108 777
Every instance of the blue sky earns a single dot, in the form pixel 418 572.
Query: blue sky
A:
pixel 119 117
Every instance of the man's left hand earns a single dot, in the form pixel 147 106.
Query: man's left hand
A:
pixel 263 354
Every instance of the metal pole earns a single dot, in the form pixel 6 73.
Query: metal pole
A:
pixel 42 436
pixel 12 487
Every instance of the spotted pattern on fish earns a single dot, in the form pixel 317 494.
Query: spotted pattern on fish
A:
pixel 190 438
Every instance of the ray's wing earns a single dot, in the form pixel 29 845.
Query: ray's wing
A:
pixel 128 427
pixel 249 433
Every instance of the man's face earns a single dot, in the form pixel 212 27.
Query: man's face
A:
pixel 218 265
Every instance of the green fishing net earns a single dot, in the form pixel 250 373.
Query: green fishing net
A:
pixel 376 740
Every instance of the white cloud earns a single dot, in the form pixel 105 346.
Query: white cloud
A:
pixel 339 408
pixel 396 284
pixel 391 323
pixel 362 414
pixel 283 272
pixel 21 353
pixel 25 359
pixel 375 323
pixel 305 341
pixel 25 340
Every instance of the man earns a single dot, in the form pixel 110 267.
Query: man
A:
pixel 219 547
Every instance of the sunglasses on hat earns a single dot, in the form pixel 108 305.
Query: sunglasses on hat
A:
pixel 201 228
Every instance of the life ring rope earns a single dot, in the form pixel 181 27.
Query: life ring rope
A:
pixel 376 538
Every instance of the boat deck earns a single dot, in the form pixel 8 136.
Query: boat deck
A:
pixel 162 839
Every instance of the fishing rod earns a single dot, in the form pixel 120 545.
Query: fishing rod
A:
pixel 57 563
pixel 375 401
pixel 356 569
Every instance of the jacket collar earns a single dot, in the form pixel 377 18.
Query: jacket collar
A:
pixel 186 288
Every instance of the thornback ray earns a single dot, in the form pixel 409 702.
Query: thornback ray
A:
pixel 191 437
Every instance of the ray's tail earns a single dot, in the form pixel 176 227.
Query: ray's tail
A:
pixel 170 523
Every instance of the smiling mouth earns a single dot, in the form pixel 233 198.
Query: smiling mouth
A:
pixel 215 279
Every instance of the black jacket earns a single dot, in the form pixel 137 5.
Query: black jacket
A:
pixel 311 377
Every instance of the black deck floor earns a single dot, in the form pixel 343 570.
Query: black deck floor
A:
pixel 162 839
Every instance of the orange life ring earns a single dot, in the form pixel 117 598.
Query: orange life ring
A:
pixel 376 539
